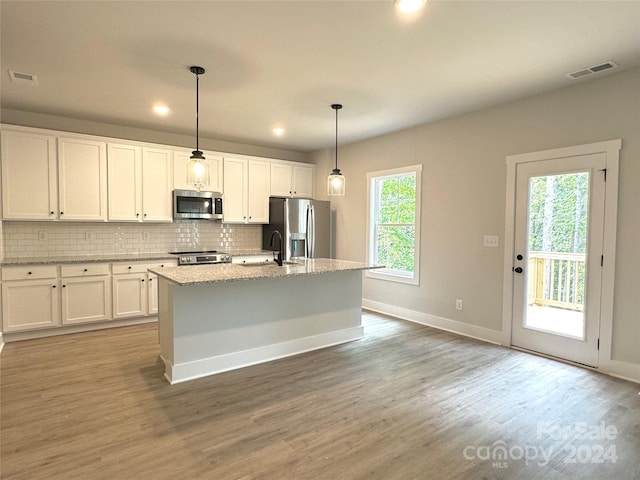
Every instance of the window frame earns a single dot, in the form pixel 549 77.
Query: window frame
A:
pixel 372 210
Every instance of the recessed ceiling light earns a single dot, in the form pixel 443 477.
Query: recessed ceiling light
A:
pixel 279 131
pixel 409 6
pixel 161 110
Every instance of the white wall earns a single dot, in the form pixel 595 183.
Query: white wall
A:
pixel 464 180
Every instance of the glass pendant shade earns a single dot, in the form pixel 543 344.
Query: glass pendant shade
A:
pixel 336 183
pixel 197 170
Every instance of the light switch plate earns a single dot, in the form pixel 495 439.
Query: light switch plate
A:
pixel 491 241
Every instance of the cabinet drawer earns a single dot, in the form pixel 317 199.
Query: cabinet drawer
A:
pixel 29 272
pixel 120 268
pixel 84 270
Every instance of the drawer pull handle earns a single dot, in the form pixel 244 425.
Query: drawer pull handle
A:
pixel 29 273
pixel 143 279
pixel 53 286
pixel 64 286
pixel 86 270
pixel 129 268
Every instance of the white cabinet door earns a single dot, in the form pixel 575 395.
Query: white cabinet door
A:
pixel 29 176
pixel 130 295
pixel 82 179
pixel 234 206
pixel 258 192
pixel 180 159
pixel 157 182
pixel 153 293
pixel 30 304
pixel 125 182
pixel 303 181
pixel 85 299
pixel 281 175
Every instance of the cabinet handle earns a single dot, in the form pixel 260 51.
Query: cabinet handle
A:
pixel 143 279
pixel 28 273
pixel 150 280
pixel 86 270
pixel 51 213
pixel 137 214
pixel 63 286
pixel 161 266
pixel 129 268
pixel 145 215
pixel 53 286
pixel 61 213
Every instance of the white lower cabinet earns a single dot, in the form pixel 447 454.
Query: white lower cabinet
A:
pixel 135 291
pixel 129 295
pixel 30 298
pixel 85 293
pixel 50 296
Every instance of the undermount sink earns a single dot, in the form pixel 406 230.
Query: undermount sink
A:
pixel 265 264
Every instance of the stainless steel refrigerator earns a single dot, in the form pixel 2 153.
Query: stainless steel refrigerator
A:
pixel 305 225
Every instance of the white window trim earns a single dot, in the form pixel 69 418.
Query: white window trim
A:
pixel 388 275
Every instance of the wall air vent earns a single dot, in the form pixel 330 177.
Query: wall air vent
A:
pixel 591 70
pixel 25 78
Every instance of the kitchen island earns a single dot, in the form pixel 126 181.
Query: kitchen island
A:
pixel 214 318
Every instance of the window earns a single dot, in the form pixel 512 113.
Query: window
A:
pixel 394 223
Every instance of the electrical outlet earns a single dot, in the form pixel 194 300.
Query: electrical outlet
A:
pixel 458 304
pixel 88 236
pixel 42 235
pixel 491 241
pixel 145 236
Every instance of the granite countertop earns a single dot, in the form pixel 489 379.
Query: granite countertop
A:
pixel 203 274
pixel 107 257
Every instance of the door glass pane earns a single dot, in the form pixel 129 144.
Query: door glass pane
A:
pixel 557 246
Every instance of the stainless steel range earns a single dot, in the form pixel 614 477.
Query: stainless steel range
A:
pixel 201 257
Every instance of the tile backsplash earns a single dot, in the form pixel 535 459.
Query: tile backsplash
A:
pixel 48 239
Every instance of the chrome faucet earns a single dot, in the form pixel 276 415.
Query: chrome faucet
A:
pixel 279 257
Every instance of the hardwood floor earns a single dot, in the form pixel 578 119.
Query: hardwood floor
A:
pixel 405 402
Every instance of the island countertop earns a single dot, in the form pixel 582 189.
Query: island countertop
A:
pixel 228 272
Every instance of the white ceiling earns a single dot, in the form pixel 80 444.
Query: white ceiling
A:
pixel 286 62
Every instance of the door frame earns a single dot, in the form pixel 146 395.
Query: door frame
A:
pixel 611 149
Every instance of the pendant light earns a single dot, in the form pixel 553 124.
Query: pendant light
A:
pixel 336 181
pixel 197 166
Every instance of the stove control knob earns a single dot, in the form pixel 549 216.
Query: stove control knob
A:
pixel 184 259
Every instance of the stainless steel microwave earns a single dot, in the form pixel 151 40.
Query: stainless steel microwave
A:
pixel 189 204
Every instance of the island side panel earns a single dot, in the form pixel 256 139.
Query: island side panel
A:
pixel 165 324
pixel 227 325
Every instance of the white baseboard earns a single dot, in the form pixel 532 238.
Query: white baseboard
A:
pixel 623 370
pixel 453 326
pixel 231 361
pixel 615 368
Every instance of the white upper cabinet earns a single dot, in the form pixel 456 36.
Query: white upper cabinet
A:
pixel 29 176
pixel 291 180
pixel 125 182
pixel 82 179
pixel 246 190
pixel 180 159
pixel 157 183
pixel 303 181
pixel 258 192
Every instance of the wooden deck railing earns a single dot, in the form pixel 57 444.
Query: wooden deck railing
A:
pixel 556 279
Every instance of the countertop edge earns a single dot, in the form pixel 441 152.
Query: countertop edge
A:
pixel 255 273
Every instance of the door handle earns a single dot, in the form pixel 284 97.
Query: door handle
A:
pixel 518 269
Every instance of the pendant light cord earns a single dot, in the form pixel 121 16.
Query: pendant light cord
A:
pixel 336 139
pixel 197 111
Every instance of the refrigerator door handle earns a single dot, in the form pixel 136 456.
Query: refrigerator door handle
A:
pixel 313 232
pixel 307 242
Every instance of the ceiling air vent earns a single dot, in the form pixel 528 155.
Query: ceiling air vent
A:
pixel 25 78
pixel 591 70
